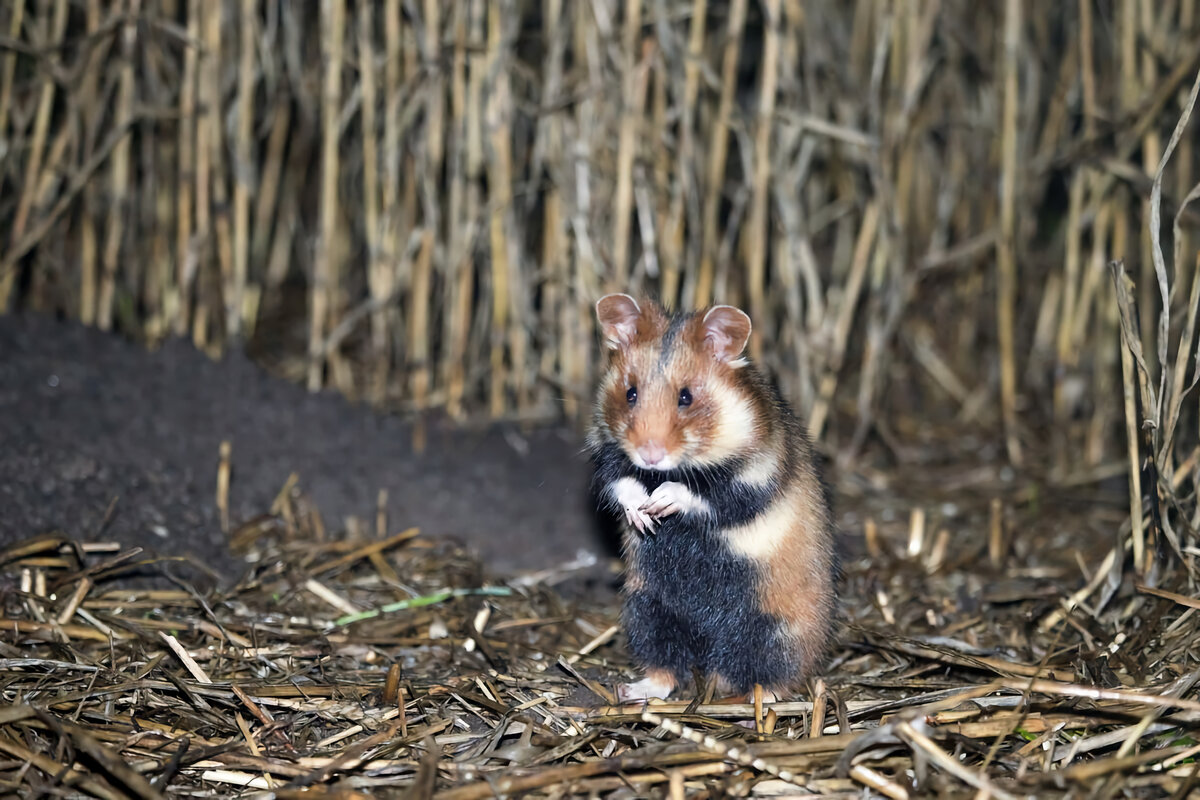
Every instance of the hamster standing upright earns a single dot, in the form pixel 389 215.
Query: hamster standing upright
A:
pixel 728 534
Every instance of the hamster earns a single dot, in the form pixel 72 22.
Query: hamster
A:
pixel 728 539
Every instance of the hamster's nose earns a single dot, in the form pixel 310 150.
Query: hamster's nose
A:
pixel 652 453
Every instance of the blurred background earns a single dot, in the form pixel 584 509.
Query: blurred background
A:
pixel 417 203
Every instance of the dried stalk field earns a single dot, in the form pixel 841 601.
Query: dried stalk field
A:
pixel 967 238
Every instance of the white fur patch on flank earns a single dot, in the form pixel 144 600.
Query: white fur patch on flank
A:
pixel 761 470
pixel 736 428
pixel 761 537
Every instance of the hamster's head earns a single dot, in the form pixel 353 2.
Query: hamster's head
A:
pixel 670 395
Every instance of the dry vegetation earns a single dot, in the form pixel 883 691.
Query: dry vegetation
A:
pixel 387 665
pixel 962 230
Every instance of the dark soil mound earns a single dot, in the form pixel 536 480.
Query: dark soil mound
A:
pixel 87 418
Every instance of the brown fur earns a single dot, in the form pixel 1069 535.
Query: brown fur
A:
pixel 798 585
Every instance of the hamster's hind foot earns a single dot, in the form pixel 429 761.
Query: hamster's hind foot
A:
pixel 657 684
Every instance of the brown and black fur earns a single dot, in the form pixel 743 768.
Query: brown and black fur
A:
pixel 743 589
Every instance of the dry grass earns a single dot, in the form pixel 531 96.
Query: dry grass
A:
pixel 388 665
pixel 418 204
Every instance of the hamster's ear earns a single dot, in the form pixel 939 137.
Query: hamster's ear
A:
pixel 726 330
pixel 618 315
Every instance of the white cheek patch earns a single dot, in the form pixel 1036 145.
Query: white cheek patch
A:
pixel 736 427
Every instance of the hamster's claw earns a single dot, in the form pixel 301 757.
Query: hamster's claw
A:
pixel 631 496
pixel 640 520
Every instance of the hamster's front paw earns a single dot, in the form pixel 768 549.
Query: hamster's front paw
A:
pixel 673 497
pixel 631 496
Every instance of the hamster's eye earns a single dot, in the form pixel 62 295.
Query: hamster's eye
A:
pixel 685 397
pixel 631 395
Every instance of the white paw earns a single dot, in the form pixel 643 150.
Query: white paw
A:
pixel 769 697
pixel 631 496
pixel 643 690
pixel 673 497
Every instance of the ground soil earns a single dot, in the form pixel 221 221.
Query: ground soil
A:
pixel 90 421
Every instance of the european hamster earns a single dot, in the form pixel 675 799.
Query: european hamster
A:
pixel 728 534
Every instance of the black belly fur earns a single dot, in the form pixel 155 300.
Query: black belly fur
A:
pixel 697 603
pixel 697 606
